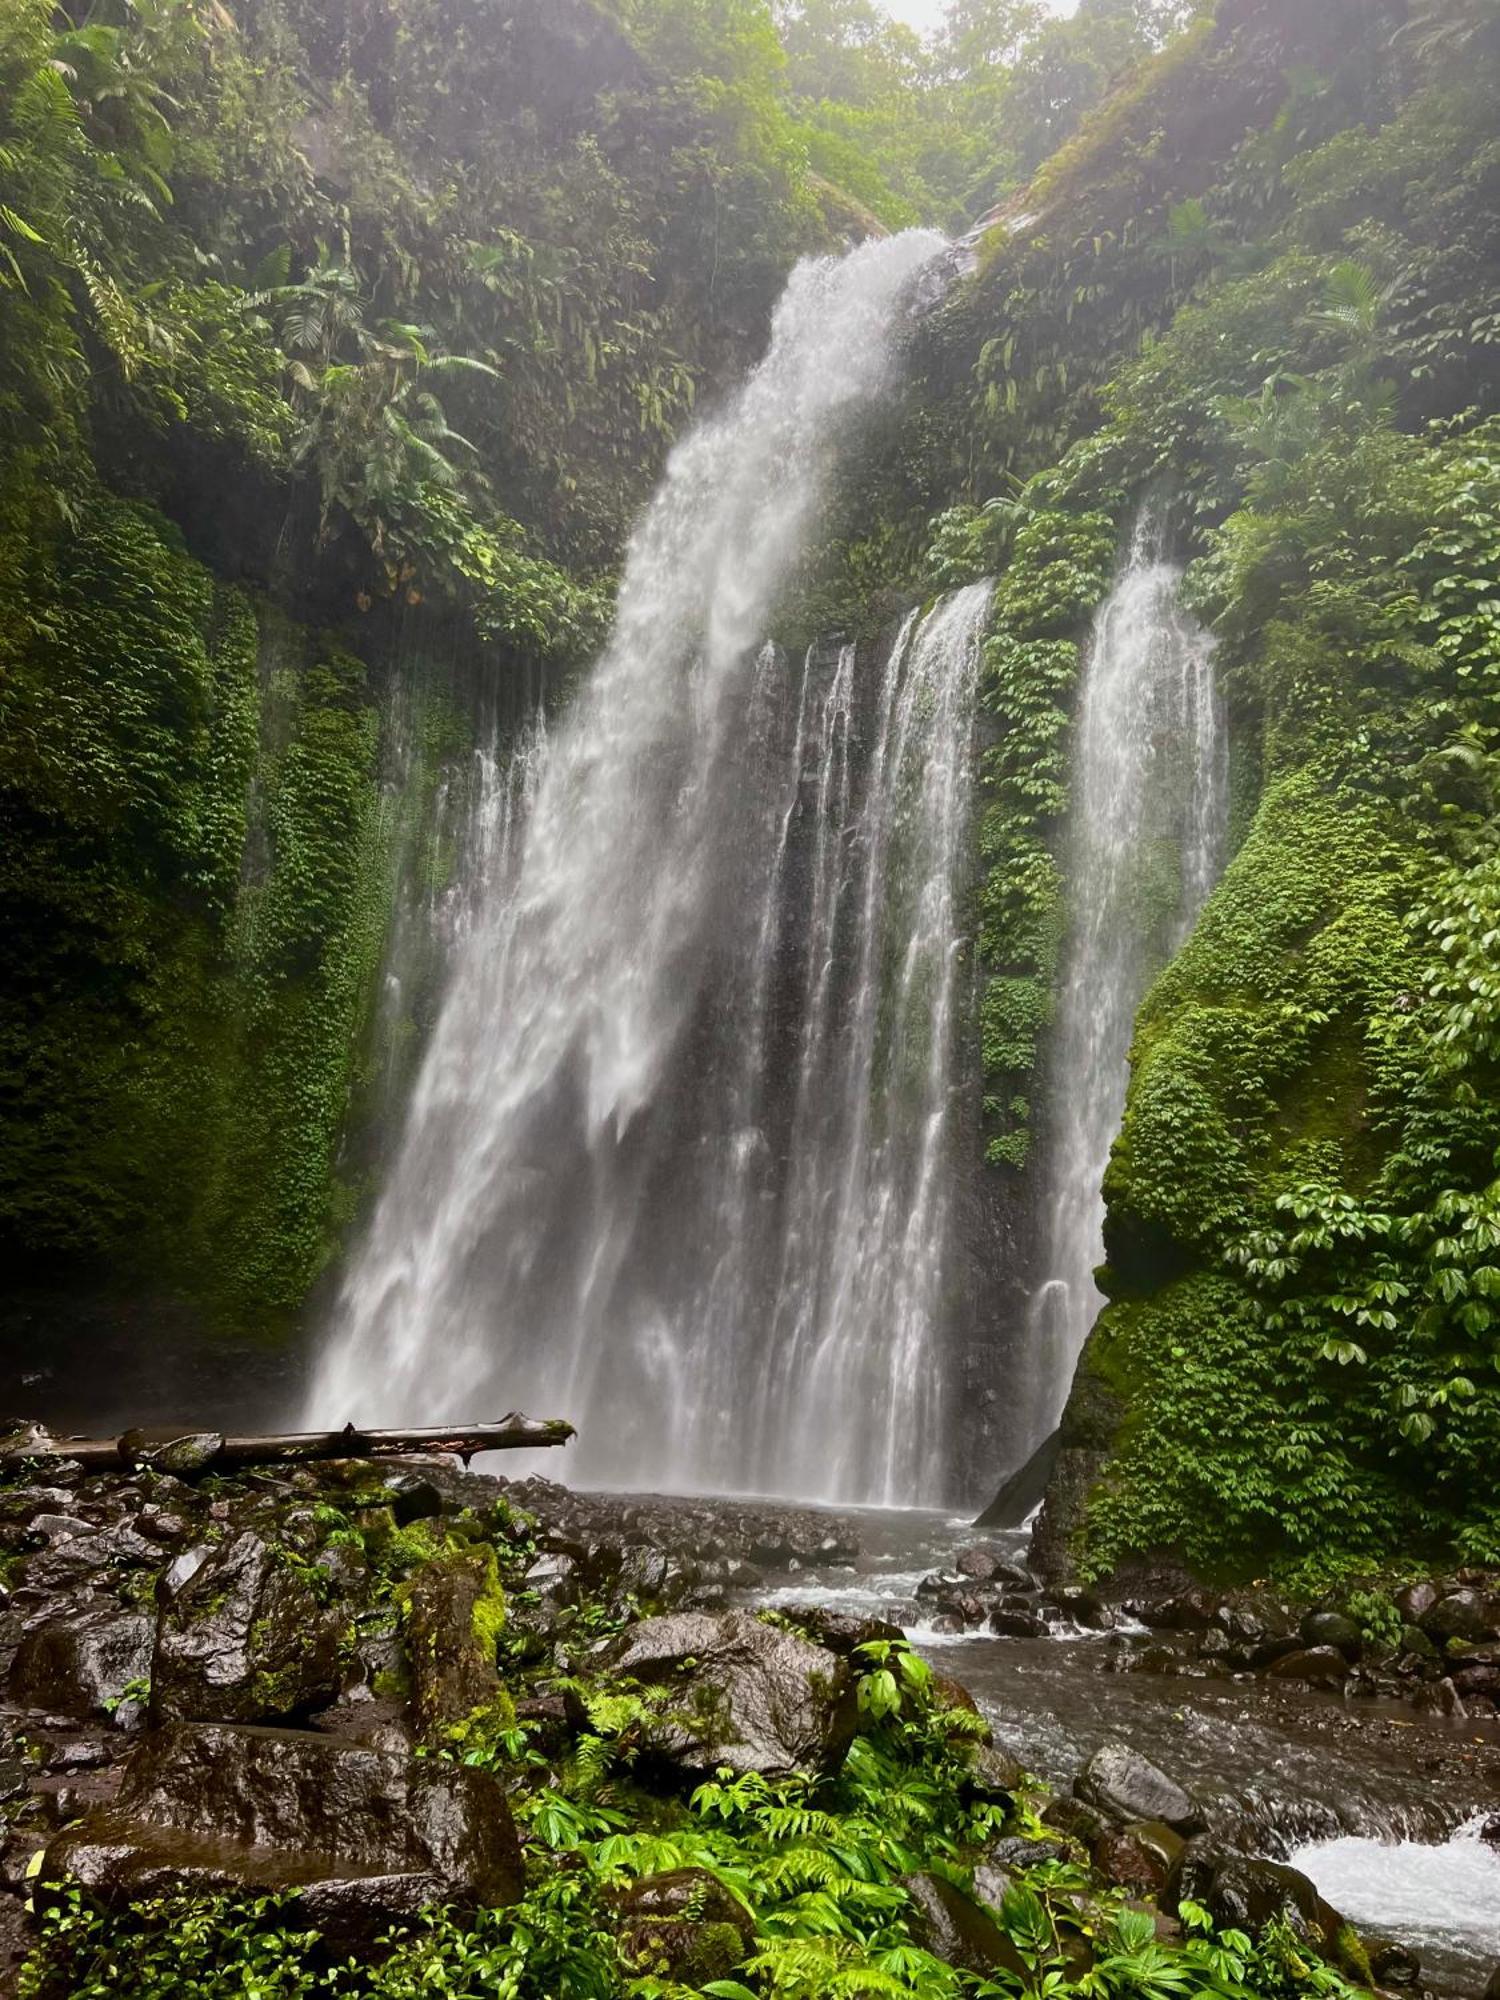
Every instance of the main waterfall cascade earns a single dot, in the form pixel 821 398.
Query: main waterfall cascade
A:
pixel 1148 823
pixel 676 1163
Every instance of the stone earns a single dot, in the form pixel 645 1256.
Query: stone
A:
pixel 80 1662
pixel 994 1776
pixel 1130 1863
pixel 1319 1666
pixel 1461 1614
pixel 454 1616
pixel 1332 1628
pixel 1415 1601
pixel 1393 1964
pixel 843 1631
pixel 1441 1698
pixel 244 1639
pixel 1127 1786
pixel 978 1564
pixel 1015 1854
pixel 185 1456
pixel 746 1695
pixel 1415 1643
pixel 364 1837
pixel 945 1923
pixel 1072 1816
pixel 1016 1625
pixel 1251 1894
pixel 1191 1610
pixel 414 1497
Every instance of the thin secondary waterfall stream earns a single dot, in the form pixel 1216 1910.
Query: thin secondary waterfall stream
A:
pixel 676 1164
pixel 1149 818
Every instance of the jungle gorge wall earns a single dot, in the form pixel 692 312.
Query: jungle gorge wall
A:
pixel 303 462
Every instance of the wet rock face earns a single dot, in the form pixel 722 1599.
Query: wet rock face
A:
pixel 683 1925
pixel 1127 1786
pixel 365 1836
pixel 952 1928
pixel 244 1640
pixel 1250 1895
pixel 454 1610
pixel 744 1695
pixel 81 1662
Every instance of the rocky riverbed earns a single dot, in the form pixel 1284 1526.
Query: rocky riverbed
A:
pixel 343 1684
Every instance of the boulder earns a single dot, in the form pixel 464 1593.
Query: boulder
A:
pixel 994 1776
pixel 1129 1862
pixel 1332 1628
pixel 364 1837
pixel 842 1632
pixel 80 1662
pixel 1250 1895
pixel 454 1615
pixel 744 1695
pixel 1127 1786
pixel 1461 1614
pixel 1320 1666
pixel 1415 1601
pixel 244 1639
pixel 946 1923
pixel 1391 1963
pixel 683 1926
pixel 1015 1854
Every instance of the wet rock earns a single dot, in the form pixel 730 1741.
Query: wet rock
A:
pixel 1461 1614
pixel 994 1777
pixel 1415 1601
pixel 745 1695
pixel 1016 1625
pixel 1441 1698
pixel 1016 1854
pixel 454 1616
pixel 1127 1786
pixel 683 1925
pixel 1130 1863
pixel 1331 1628
pixel 1251 1895
pixel 364 1836
pixel 1479 1679
pixel 1492 1989
pixel 1084 1823
pixel 160 1524
pixel 1319 1666
pixel 959 1932
pixel 244 1640
pixel 186 1456
pixel 843 1631
pixel 992 1883
pixel 977 1563
pixel 1391 1963
pixel 1416 1645
pixel 1189 1611
pixel 80 1662
pixel 414 1496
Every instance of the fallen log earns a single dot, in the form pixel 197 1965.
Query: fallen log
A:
pixel 188 1452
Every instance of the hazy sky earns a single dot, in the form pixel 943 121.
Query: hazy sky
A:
pixel 927 13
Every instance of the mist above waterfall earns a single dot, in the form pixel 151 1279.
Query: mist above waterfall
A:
pixel 675 1160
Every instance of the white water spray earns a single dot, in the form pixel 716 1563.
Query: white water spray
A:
pixel 1149 815
pixel 718 983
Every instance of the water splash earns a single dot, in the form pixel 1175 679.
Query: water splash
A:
pixel 1149 818
pixel 674 1165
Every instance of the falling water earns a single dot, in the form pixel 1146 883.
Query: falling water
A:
pixel 1149 813
pixel 674 1165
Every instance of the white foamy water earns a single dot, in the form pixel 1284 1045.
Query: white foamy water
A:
pixel 1443 1901
pixel 676 1164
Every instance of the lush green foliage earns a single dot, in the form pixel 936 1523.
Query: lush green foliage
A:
pixel 814 1867
pixel 1302 1225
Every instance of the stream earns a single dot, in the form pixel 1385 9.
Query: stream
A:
pixel 1380 1805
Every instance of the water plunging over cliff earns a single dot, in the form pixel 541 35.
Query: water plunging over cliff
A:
pixel 1149 810
pixel 675 1164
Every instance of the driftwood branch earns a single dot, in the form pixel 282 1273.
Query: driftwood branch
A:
pixel 191 1452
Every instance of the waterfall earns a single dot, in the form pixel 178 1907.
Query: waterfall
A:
pixel 674 1165
pixel 1148 822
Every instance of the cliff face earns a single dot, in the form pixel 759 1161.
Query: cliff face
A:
pixel 1296 1365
